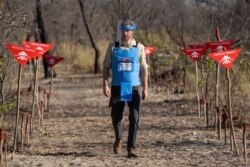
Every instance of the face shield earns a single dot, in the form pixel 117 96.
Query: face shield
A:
pixel 131 27
pixel 121 27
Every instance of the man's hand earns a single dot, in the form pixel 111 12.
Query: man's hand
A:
pixel 144 94
pixel 144 79
pixel 106 90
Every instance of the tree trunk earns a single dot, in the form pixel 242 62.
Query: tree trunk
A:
pixel 97 68
pixel 42 34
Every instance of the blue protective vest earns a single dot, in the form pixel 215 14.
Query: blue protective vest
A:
pixel 125 66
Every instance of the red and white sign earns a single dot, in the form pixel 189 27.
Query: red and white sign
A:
pixel 52 60
pixel 220 46
pixel 22 54
pixel 149 50
pixel 226 58
pixel 194 53
pixel 41 47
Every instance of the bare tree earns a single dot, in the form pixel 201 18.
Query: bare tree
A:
pixel 15 22
pixel 176 25
pixel 42 34
pixel 82 4
pixel 120 9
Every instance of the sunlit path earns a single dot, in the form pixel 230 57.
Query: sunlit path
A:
pixel 78 132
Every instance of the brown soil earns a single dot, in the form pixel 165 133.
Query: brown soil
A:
pixel 78 132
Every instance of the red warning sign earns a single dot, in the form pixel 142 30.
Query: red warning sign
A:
pixel 149 50
pixel 22 54
pixel 226 58
pixel 220 46
pixel 41 47
pixel 194 53
pixel 52 60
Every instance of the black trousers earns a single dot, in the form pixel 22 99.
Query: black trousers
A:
pixel 117 114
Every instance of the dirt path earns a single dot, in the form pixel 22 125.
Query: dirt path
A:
pixel 78 132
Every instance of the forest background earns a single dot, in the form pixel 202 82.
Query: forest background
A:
pixel 82 29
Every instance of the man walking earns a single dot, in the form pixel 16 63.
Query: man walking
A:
pixel 129 71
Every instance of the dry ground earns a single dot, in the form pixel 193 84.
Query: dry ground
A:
pixel 78 132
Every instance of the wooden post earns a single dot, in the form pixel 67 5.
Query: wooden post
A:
pixel 3 142
pixel 217 75
pixel 40 113
pixel 50 89
pixel 217 87
pixel 225 118
pixel 22 129
pixel 5 148
pixel 207 105
pixel 201 103
pixel 225 131
pixel 17 110
pixel 1 145
pixel 209 109
pixel 34 97
pixel 230 112
pixel 216 119
pixel 244 142
pixel 197 90
pixel 229 103
pixel 149 73
pixel 45 99
pixel 41 105
pixel 219 122
pixel 26 128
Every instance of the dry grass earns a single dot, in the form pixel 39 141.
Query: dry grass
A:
pixel 81 57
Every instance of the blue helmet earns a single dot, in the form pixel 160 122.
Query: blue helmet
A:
pixel 129 27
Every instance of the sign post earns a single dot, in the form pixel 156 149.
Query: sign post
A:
pixel 226 59
pixel 203 99
pixel 195 54
pixel 149 50
pixel 218 46
pixel 51 61
pixel 22 55
pixel 41 48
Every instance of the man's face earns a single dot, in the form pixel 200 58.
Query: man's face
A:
pixel 127 35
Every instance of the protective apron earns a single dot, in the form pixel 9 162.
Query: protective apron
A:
pixel 125 71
